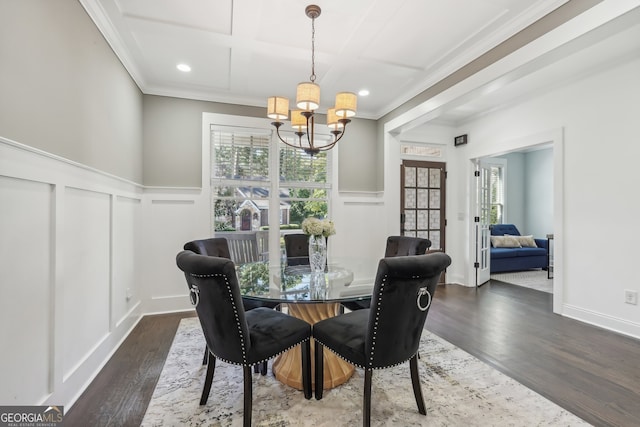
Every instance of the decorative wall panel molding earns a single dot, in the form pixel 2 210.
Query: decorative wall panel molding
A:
pixel 71 235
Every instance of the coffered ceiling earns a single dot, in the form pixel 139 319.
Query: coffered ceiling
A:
pixel 243 51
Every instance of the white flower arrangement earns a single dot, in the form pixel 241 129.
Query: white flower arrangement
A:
pixel 316 227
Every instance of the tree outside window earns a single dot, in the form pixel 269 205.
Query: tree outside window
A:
pixel 241 181
pixel 496 185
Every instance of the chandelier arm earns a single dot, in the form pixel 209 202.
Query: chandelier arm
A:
pixel 327 147
pixel 284 141
pixel 337 137
pixel 339 134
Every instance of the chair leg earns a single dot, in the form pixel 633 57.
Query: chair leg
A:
pixel 415 380
pixel 248 396
pixel 366 404
pixel 211 367
pixel 263 368
pixel 205 359
pixel 319 375
pixel 306 368
pixel 256 368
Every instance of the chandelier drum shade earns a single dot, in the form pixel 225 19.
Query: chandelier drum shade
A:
pixel 307 101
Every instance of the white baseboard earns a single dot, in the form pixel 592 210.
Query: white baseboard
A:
pixel 600 320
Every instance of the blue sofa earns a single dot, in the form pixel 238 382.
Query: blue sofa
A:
pixel 517 258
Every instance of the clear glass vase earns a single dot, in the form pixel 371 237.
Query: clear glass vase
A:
pixel 317 253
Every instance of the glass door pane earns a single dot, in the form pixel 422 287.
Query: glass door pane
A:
pixel 423 201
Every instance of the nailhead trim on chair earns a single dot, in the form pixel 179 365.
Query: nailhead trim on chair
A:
pixel 375 331
pixel 375 324
pixel 357 365
pixel 235 311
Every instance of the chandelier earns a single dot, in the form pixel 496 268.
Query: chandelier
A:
pixel 307 101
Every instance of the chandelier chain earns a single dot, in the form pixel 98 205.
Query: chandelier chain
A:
pixel 313 50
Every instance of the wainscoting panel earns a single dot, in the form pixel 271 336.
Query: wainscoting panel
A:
pixel 25 289
pixel 126 260
pixel 86 270
pixel 360 236
pixel 69 254
pixel 172 219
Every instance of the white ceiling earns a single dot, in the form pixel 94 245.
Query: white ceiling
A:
pixel 243 51
pixel 607 45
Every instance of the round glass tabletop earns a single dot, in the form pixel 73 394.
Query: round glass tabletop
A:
pixel 298 284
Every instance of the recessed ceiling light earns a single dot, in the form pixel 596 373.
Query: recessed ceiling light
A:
pixel 363 92
pixel 183 67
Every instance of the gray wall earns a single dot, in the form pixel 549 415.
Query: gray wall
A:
pixel 539 192
pixel 173 138
pixel 515 188
pixel 63 90
pixel 358 157
pixel 173 144
pixel 529 191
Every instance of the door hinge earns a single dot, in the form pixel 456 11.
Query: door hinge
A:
pixel 476 173
pixel 476 265
pixel 476 219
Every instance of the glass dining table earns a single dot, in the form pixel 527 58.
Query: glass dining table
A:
pixel 311 296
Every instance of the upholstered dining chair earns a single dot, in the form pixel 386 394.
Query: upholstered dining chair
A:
pixel 406 245
pixel 396 246
pixel 236 336
pixel 219 247
pixel 296 247
pixel 388 333
pixel 215 246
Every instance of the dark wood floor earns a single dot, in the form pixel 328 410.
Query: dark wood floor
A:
pixel 591 372
pixel 119 395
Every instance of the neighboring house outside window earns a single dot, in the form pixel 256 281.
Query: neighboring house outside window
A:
pixel 241 178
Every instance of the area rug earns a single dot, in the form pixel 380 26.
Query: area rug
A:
pixel 459 390
pixel 534 279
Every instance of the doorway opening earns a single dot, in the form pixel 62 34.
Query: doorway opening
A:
pixel 532 201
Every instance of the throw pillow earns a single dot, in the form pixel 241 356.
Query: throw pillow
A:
pixel 527 241
pixel 505 242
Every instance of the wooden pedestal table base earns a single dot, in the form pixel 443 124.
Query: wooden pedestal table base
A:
pixel 287 366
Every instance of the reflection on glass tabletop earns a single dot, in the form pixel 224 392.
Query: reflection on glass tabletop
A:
pixel 298 284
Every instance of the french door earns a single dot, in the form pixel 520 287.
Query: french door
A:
pixel 422 201
pixel 481 233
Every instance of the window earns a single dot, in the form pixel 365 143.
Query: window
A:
pixel 244 189
pixel 240 178
pixel 304 185
pixel 496 185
